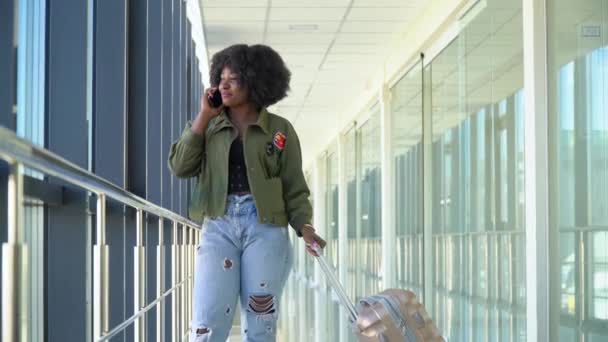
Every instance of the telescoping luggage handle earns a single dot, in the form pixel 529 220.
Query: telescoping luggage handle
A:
pixel 335 283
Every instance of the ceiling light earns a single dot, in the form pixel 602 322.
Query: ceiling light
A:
pixel 304 27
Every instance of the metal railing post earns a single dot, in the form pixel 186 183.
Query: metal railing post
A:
pixel 160 282
pixel 101 273
pixel 174 281
pixel 184 287
pixel 191 273
pixel 15 264
pixel 139 284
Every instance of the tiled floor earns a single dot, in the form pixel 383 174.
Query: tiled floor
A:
pixel 235 334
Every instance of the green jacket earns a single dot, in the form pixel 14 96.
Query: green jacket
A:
pixel 274 169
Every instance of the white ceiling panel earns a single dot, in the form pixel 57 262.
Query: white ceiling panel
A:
pixel 234 3
pixel 299 27
pixel 221 27
pixel 312 14
pixel 342 66
pixel 364 49
pixel 331 91
pixel 295 48
pixel 372 26
pixel 234 14
pixel 302 60
pixel 227 38
pixel 389 3
pixel 283 108
pixel 342 75
pixel 292 104
pixel 310 3
pixel 348 58
pixel 304 77
pixel 380 14
pixel 364 38
pixel 299 38
pixel 310 111
pixel 294 100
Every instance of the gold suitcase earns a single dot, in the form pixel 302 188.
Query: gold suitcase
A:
pixel 393 315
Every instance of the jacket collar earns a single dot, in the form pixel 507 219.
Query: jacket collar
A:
pixel 224 121
pixel 263 120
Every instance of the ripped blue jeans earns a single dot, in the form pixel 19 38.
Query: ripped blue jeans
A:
pixel 238 256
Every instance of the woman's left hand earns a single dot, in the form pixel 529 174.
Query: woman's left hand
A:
pixel 311 238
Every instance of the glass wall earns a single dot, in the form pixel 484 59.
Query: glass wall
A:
pixel 578 159
pixel 406 138
pixel 361 146
pixel 471 101
pixel 477 179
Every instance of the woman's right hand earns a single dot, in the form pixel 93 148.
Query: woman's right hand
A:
pixel 208 112
pixel 199 124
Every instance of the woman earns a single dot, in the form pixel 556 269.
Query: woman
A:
pixel 250 186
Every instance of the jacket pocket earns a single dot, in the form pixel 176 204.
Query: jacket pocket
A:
pixel 270 196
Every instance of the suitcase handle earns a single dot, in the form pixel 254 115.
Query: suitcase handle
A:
pixel 335 283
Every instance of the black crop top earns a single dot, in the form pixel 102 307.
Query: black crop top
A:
pixel 237 170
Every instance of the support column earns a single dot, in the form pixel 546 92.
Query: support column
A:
pixel 538 237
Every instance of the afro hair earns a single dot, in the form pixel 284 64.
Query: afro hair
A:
pixel 259 68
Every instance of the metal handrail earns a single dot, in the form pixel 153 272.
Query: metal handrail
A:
pixel 20 153
pixel 122 326
pixel 16 149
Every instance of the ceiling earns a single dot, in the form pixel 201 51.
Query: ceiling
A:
pixel 332 47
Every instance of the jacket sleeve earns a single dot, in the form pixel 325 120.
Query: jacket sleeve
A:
pixel 186 154
pixel 295 190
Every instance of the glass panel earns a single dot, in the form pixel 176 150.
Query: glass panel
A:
pixel 30 70
pixel 310 262
pixel 477 169
pixel 332 208
pixel 369 248
pixel 350 161
pixel 351 208
pixel 30 32
pixel 598 277
pixel 406 138
pixel 578 172
pixel 332 306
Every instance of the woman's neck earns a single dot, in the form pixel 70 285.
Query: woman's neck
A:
pixel 243 115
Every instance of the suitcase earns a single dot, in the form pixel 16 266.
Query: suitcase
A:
pixel 393 315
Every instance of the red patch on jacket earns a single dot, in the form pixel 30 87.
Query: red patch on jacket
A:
pixel 279 140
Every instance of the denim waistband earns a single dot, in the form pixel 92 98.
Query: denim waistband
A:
pixel 237 205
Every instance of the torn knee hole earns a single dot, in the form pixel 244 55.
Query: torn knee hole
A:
pixel 202 331
pixel 262 304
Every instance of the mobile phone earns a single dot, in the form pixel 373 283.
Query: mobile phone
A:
pixel 215 100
